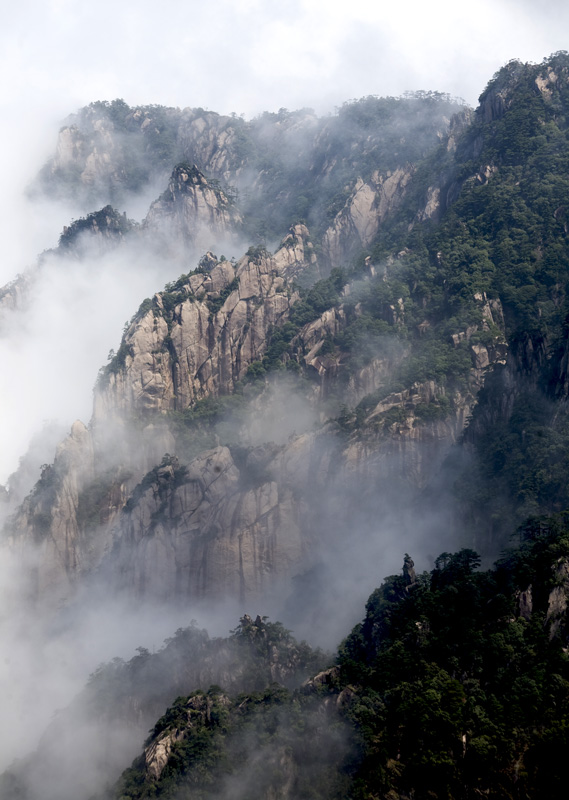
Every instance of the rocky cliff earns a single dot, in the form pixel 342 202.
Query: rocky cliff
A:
pixel 199 339
pixel 383 366
pixel 409 311
pixel 367 207
pixel 278 168
pixel 232 522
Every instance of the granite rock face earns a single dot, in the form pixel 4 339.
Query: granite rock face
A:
pixel 199 533
pixel 205 345
pixel 367 207
pixel 192 211
pixel 233 522
pixel 46 523
pixel 558 599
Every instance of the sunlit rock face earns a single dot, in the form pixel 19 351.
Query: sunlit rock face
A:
pixel 204 344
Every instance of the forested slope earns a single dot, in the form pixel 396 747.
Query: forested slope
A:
pixel 455 685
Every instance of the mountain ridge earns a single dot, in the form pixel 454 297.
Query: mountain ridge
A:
pixel 273 426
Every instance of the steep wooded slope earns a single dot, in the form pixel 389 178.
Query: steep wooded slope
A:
pixel 455 684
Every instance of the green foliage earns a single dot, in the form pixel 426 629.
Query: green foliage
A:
pixel 155 142
pixel 446 691
pixel 219 733
pixel 117 360
pixel 258 743
pixel 454 687
pixel 208 421
pixel 255 253
pixel 107 221
pixel 313 302
pixel 42 500
pixel 116 111
pixel 306 167
pixel 143 308
pixel 433 410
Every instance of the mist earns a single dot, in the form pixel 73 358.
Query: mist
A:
pixel 53 348
pixel 48 657
pixel 357 525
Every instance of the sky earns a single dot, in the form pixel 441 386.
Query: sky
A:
pixel 241 56
pixel 250 55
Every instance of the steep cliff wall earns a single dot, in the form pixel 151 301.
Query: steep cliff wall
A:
pixel 367 207
pixel 129 499
pixel 173 356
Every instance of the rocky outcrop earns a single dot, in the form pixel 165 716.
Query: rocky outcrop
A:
pixel 525 603
pixel 203 345
pixel 367 207
pixel 198 714
pixel 312 339
pixel 90 153
pixel 228 524
pixel 46 524
pixel 330 365
pixel 296 254
pixel 416 432
pixel 157 753
pixel 95 234
pixel 63 527
pixel 200 532
pixel 519 368
pixel 213 142
pixel 13 295
pixel 497 98
pixel 546 82
pixel 192 210
pixel 458 124
pixel 558 599
pixel 495 350
pixel 432 205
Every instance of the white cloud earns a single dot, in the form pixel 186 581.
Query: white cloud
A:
pixel 51 350
pixel 254 55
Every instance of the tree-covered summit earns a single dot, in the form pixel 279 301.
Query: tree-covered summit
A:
pixel 454 686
